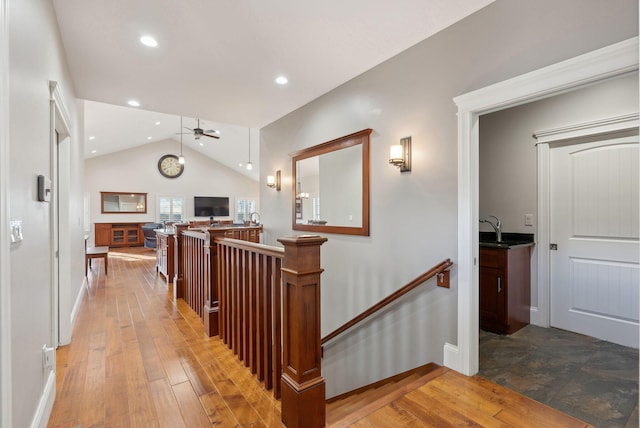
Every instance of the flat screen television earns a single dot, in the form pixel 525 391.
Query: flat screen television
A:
pixel 207 206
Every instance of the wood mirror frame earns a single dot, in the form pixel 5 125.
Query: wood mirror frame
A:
pixel 360 138
pixel 134 200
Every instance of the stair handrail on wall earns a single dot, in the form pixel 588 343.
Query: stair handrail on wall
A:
pixel 441 269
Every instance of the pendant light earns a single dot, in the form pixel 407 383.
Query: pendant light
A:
pixel 181 158
pixel 249 164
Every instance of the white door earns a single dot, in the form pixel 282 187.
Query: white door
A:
pixel 594 272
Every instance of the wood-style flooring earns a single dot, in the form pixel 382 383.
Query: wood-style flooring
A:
pixel 138 359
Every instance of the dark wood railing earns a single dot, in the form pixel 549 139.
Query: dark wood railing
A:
pixel 245 292
pixel 439 269
pixel 249 278
pixel 196 269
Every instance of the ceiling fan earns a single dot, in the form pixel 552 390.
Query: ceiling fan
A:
pixel 199 132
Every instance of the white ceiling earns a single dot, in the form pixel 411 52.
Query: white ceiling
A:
pixel 217 60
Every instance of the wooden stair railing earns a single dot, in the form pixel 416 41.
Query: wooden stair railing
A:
pixel 441 268
pixel 264 302
pixel 195 263
pixel 250 295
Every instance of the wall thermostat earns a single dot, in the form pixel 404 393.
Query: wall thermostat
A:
pixel 44 189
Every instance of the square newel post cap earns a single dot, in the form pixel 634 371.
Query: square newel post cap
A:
pixel 300 240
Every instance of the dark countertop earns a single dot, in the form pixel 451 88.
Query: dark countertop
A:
pixel 509 240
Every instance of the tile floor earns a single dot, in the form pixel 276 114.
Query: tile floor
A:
pixel 590 379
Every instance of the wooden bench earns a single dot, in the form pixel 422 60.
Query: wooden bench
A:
pixel 96 253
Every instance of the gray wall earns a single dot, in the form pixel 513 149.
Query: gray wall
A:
pixel 414 215
pixel 37 56
pixel 508 177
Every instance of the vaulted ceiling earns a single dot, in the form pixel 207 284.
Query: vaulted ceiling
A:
pixel 217 60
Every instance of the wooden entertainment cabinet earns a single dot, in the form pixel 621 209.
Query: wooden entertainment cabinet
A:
pixel 119 234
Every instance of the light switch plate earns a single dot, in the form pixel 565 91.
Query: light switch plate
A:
pixel 16 230
pixel 528 219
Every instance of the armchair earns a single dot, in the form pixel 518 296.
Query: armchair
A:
pixel 150 235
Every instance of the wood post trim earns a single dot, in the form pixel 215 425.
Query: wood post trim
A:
pixel 303 387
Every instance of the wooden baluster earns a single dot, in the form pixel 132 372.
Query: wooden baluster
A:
pixel 242 306
pixel 253 308
pixel 276 342
pixel 188 254
pixel 210 287
pixel 178 278
pixel 227 297
pixel 222 298
pixel 303 387
pixel 261 285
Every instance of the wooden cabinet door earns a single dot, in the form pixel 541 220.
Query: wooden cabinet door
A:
pixel 103 234
pixel 492 298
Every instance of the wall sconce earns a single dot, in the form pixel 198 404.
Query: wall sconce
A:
pixel 400 154
pixel 274 182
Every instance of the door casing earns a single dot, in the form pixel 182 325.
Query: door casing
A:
pixel 601 64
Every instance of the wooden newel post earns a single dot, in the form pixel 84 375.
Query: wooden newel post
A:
pixel 178 278
pixel 303 387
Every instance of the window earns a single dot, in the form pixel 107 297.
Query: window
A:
pixel 171 208
pixel 315 208
pixel 244 208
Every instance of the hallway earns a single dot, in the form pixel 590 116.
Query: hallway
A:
pixel 138 360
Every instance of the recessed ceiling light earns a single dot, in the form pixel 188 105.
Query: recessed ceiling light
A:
pixel 93 151
pixel 240 164
pixel 281 80
pixel 149 41
pixel 93 137
pixel 158 123
pixel 148 138
pixel 133 103
pixel 201 144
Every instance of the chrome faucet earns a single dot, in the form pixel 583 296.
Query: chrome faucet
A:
pixel 497 227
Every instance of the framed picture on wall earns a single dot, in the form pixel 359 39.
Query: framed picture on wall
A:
pixel 298 208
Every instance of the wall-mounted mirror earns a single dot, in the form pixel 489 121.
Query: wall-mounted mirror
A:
pixel 123 203
pixel 331 186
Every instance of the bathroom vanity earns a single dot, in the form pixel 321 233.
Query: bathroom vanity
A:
pixel 505 283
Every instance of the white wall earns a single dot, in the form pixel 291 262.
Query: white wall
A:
pixel 414 215
pixel 508 176
pixel 36 57
pixel 136 170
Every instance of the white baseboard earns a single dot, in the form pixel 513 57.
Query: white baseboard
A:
pixel 43 411
pixel 75 310
pixel 452 357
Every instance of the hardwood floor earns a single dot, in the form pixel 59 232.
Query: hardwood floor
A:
pixel 137 359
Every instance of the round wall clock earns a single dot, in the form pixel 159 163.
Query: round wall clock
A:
pixel 169 166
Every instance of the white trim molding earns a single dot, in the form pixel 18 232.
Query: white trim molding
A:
pixel 5 242
pixel 45 404
pixel 608 62
pixel 542 314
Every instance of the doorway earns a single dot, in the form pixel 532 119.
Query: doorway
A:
pixel 615 60
pixel 60 219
